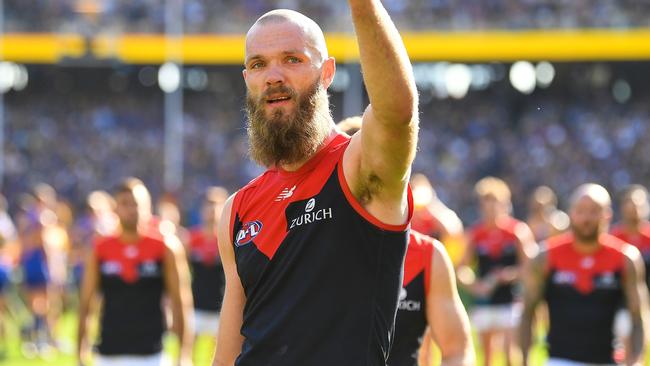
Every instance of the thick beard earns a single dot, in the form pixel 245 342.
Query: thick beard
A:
pixel 288 139
pixel 591 237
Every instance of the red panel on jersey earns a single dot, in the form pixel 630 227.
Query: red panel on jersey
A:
pixel 562 256
pixel 419 256
pixel 261 204
pixel 129 256
pixel 495 239
pixel 640 240
pixel 203 247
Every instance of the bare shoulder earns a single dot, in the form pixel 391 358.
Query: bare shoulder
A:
pixel 633 258
pixel 441 260
pixel 173 245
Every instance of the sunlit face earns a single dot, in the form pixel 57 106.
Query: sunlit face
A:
pixel 588 219
pixel 127 210
pixel 286 102
pixel 282 63
pixel 491 207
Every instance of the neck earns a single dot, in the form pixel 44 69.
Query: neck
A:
pixel 494 221
pixel 210 229
pixel 295 166
pixel 586 247
pixel 632 226
pixel 129 236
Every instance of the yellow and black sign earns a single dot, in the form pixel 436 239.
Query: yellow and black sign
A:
pixel 555 45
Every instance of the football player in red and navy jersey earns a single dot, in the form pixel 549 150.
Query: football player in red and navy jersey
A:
pixel 584 276
pixel 313 248
pixel 132 271
pixel 500 245
pixel 205 263
pixel 634 228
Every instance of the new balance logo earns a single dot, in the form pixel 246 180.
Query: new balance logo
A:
pixel 286 193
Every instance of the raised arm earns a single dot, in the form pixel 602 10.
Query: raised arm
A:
pixel 533 280
pixel 636 294
pixel 446 315
pixel 378 160
pixel 229 340
pixel 178 289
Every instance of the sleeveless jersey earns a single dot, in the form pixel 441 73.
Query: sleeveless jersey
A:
pixel 495 247
pixel 641 240
pixel 583 293
pixel 207 272
pixel 320 274
pixel 131 281
pixel 411 320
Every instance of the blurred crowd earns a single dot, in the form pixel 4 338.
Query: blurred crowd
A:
pixel 201 16
pixel 79 141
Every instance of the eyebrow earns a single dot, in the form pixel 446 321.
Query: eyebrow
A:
pixel 288 52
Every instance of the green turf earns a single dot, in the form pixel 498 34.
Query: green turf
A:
pixel 67 326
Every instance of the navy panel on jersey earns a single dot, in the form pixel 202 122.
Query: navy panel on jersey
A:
pixel 321 281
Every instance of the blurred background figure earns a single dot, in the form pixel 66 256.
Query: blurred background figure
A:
pixel 584 276
pixel 500 245
pixel 34 265
pixel 544 218
pixel 432 217
pixel 633 228
pixel 8 258
pixel 98 219
pixel 205 263
pixel 133 271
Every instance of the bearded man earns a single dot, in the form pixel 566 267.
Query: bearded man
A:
pixel 313 248
pixel 584 276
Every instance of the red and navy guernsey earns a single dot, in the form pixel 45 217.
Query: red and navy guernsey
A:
pixel 641 240
pixel 496 248
pixel 320 274
pixel 411 320
pixel 583 293
pixel 131 282
pixel 207 272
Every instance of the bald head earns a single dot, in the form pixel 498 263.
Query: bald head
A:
pixel 590 212
pixel 299 23
pixel 595 192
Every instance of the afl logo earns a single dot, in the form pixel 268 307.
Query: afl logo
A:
pixel 310 205
pixel 248 232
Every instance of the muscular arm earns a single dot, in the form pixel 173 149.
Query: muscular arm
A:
pixel 446 315
pixel 178 289
pixel 378 160
pixel 89 286
pixel 229 340
pixel 533 280
pixel 636 294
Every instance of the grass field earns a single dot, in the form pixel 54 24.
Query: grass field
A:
pixel 204 348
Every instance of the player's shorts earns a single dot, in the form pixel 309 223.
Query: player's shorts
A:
pixel 622 327
pixel 564 362
pixel 206 322
pixel 35 271
pixel 5 277
pixel 157 359
pixel 495 317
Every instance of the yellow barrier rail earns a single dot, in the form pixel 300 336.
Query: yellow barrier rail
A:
pixel 555 45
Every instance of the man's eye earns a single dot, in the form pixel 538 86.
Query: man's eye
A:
pixel 293 60
pixel 256 65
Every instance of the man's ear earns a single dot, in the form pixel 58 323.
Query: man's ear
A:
pixel 328 71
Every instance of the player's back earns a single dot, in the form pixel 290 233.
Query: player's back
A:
pixel 320 275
